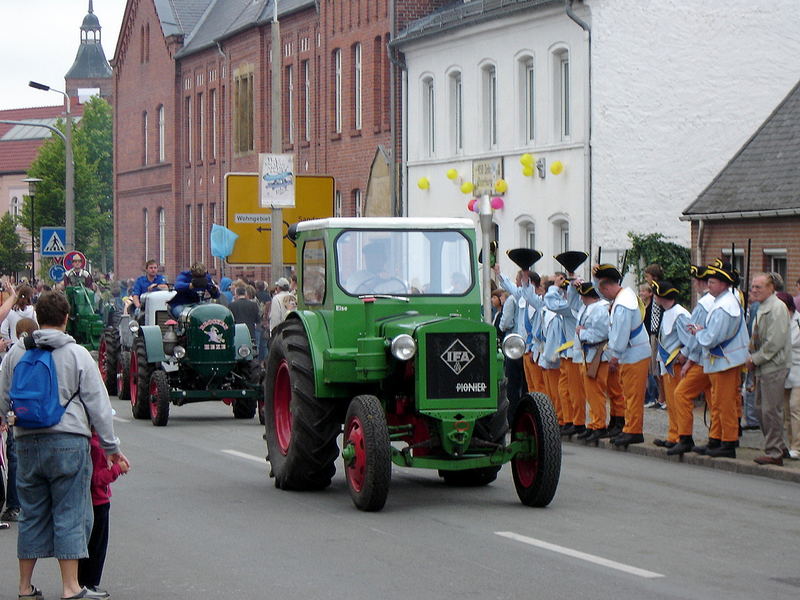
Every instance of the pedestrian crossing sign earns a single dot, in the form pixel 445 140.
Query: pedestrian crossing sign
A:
pixel 53 241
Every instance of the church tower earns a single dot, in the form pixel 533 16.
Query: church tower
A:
pixel 90 69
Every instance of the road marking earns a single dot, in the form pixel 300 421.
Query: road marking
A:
pixel 598 560
pixel 121 420
pixel 258 459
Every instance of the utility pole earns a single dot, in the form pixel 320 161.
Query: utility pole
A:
pixel 277 141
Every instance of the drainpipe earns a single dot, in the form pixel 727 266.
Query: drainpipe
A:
pixel 698 251
pixel 400 208
pixel 224 165
pixel 587 144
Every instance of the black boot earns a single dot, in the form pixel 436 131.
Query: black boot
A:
pixel 685 444
pixel 712 443
pixel 663 443
pixel 625 439
pixel 726 450
pixel 596 435
pixel 584 434
pixel 615 426
pixel 567 429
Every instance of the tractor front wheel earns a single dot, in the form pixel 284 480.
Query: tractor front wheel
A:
pixel 301 429
pixel 123 375
pixel 536 473
pixel 140 380
pixel 366 453
pixel 159 398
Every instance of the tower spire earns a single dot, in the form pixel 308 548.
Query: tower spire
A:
pixel 91 8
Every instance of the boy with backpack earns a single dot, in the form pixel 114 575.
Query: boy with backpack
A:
pixel 52 440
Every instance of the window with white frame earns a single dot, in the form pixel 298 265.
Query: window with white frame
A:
pixel 527 231
pixel 777 262
pixel 456 113
pixel 144 138
pixel 187 129
pixel 560 234
pixel 201 124
pixel 337 204
pixel 162 154
pixel 738 258
pixel 563 96
pixel 337 90
pixel 212 101
pixel 290 103
pixel 190 229
pixel 306 100
pixel 428 116
pixel 162 236
pixel 201 219
pixel 527 104
pixel 490 106
pixel 357 86
pixel 357 203
pixel 146 235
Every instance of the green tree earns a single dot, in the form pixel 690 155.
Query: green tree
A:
pixel 673 258
pixel 13 255
pixel 92 155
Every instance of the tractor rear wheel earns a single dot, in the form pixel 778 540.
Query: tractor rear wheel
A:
pixel 140 380
pixel 123 375
pixel 107 357
pixel 159 398
pixel 536 474
pixel 366 453
pixel 301 429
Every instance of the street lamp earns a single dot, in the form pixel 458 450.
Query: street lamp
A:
pixel 69 183
pixel 32 183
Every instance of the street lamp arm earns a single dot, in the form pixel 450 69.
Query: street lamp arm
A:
pixel 55 130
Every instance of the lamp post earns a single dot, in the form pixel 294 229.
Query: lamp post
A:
pixel 69 178
pixel 32 183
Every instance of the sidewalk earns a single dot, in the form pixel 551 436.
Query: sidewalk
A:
pixel 751 445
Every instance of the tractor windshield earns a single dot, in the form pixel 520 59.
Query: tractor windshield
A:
pixel 419 263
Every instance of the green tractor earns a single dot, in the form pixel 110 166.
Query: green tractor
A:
pixel 388 346
pixel 201 356
pixel 84 324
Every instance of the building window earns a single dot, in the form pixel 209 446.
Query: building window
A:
pixel 528 234
pixel 15 206
pixel 201 124
pixel 144 138
pixel 490 106
pixel 357 203
pixel 337 91
pixel 201 221
pixel 563 98
pixel 563 236
pixel 456 113
pixel 162 154
pixel 146 235
pixel 212 102
pixel 212 209
pixel 314 272
pixel 428 116
pixel 162 236
pixel 190 229
pixel 738 259
pixel 337 204
pixel 306 100
pixel 527 99
pixel 243 113
pixel 377 72
pixel 357 86
pixel 290 104
pixel 187 129
pixel 776 263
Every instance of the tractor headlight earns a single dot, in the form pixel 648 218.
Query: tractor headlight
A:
pixel 244 351
pixel 179 352
pixel 133 326
pixel 403 347
pixel 513 346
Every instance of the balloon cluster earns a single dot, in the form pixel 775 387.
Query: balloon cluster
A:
pixel 527 161
pixel 496 202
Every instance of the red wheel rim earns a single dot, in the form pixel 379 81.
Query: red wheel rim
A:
pixel 526 466
pixel 133 375
pixel 101 359
pixel 120 383
pixel 153 399
pixel 357 469
pixel 281 400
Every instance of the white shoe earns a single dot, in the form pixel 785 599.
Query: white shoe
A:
pixel 794 454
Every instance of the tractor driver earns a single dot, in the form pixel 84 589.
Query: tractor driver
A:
pixel 190 286
pixel 151 280
pixel 374 278
pixel 77 275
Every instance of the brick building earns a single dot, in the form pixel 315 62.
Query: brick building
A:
pixel 192 103
pixel 756 198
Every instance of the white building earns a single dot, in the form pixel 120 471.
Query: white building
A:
pixel 668 88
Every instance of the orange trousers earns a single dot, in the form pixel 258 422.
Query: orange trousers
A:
pixel 724 397
pixel 633 378
pixel 670 383
pixel 595 390
pixel 615 397
pixel 570 386
pixel 695 382
pixel 551 377
pixel 534 374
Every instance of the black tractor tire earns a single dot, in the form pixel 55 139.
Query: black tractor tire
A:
pixel 470 477
pixel 159 398
pixel 369 472
pixel 536 477
pixel 107 357
pixel 301 438
pixel 124 375
pixel 141 371
pixel 244 408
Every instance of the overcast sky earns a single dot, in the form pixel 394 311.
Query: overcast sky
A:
pixel 39 40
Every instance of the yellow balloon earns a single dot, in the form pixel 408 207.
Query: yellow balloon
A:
pixel 501 186
pixel 526 160
pixel 452 174
pixel 467 187
pixel 527 170
pixel 557 167
pixel 423 183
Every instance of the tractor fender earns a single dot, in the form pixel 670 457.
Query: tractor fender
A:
pixel 241 337
pixel 318 342
pixel 153 343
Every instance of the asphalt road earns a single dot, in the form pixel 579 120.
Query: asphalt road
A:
pixel 198 518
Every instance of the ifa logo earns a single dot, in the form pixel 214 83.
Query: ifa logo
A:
pixel 457 357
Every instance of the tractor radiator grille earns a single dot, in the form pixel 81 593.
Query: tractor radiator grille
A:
pixel 457 365
pixel 162 316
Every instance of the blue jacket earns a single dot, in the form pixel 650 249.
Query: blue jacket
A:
pixel 595 319
pixel 142 283
pixel 724 338
pixel 567 308
pixel 186 295
pixel 627 338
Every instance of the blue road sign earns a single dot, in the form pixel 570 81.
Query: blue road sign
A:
pixel 53 241
pixel 57 273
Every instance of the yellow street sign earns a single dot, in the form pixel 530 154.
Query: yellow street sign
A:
pixel 253 224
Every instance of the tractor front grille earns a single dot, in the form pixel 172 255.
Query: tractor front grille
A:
pixel 162 316
pixel 457 365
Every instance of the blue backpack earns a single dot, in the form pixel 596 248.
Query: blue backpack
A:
pixel 34 389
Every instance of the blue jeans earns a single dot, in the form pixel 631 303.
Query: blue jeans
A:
pixel 263 342
pixel 12 498
pixel 651 394
pixel 53 478
pixel 752 416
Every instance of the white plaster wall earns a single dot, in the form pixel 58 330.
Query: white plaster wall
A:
pixel 539 200
pixel 678 87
